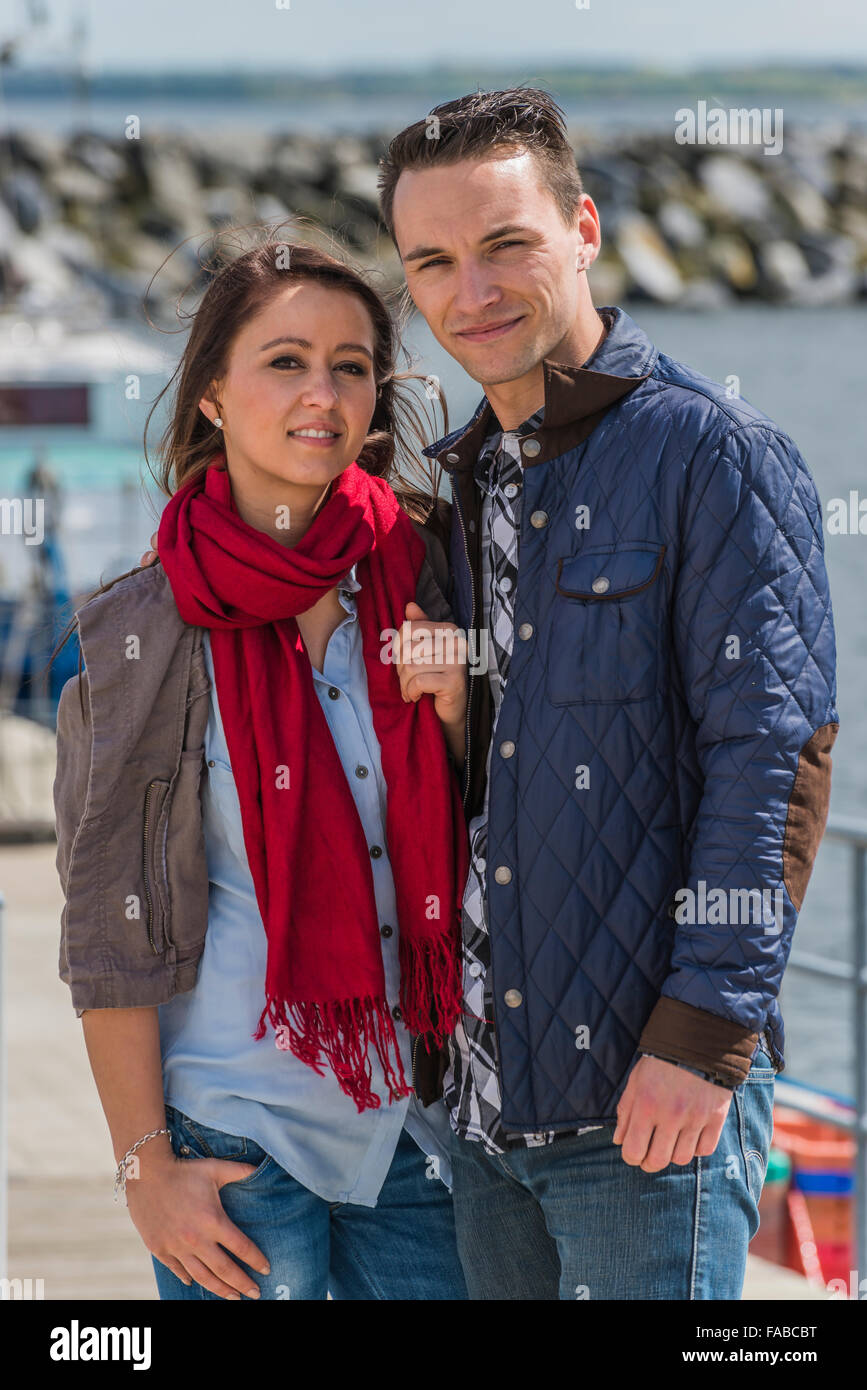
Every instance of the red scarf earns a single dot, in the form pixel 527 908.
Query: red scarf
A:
pixel 307 851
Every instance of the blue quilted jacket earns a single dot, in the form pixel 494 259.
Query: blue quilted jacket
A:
pixel 661 772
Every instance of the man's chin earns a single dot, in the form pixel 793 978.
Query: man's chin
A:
pixel 490 369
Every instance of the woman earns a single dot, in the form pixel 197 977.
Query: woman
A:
pixel 261 930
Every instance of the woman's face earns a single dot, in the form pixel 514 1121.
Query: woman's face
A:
pixel 303 363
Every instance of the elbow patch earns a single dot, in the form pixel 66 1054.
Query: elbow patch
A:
pixel 808 811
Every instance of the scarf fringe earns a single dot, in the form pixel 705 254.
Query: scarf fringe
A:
pixel 430 985
pixel 341 1031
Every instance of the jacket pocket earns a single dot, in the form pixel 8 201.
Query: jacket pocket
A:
pixel 186 869
pixel 153 870
pixel 604 635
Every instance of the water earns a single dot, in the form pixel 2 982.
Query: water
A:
pixel 803 368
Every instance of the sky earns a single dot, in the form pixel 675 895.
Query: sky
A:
pixel 327 35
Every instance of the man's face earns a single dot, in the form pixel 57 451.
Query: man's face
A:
pixel 489 261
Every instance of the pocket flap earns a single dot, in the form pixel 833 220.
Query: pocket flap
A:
pixel 609 574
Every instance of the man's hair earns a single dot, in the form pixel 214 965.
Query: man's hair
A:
pixel 472 127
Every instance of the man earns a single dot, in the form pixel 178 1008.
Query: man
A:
pixel 646 556
pixel 647 767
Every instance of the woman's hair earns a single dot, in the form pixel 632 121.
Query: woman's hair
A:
pixel 240 286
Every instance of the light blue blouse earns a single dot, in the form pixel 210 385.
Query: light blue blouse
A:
pixel 213 1069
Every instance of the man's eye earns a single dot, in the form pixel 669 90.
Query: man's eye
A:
pixel 440 260
pixel 501 244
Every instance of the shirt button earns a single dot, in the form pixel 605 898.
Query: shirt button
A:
pixel 475 969
pixel 386 930
pixel 503 874
pixel 510 489
pixel 531 447
pixel 376 851
pixel 481 865
pixel 513 998
pixel 507 748
pixel 525 631
pixel 333 692
pixel 539 519
pixel 505 584
pixel 601 585
pixel 396 1013
pixel 472 525
pixel 361 771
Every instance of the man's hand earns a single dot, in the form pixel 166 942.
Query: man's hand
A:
pixel 150 556
pixel 435 667
pixel 668 1115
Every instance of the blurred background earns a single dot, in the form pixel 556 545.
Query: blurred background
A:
pixel 129 136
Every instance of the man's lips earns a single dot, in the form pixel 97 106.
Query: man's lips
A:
pixel 487 334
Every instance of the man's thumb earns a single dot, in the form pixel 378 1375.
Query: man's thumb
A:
pixel 414 616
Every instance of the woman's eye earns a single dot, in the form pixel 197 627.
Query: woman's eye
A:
pixel 355 368
pixel 277 360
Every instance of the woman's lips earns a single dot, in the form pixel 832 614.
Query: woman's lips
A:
pixel 487 335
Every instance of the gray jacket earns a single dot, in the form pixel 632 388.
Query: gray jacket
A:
pixel 130 844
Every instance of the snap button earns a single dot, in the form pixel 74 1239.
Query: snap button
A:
pixel 525 631
pixel 539 519
pixel 601 585
pixel 361 771
pixel 375 852
pixel 333 692
pixel 185 1149
pixel 507 748
pixel 503 874
pixel 386 930
pixel 513 998
pixel 211 763
pixel 531 447
pixel 475 970
pixel 396 1013
pixel 453 458
pixel 510 489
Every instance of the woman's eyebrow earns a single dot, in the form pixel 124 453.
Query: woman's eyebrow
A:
pixel 305 343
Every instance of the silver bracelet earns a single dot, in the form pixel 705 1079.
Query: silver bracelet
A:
pixel 120 1174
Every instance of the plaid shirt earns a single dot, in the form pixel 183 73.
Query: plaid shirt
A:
pixel 472 1084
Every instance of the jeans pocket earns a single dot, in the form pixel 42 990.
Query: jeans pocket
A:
pixel 754 1104
pixel 192 1139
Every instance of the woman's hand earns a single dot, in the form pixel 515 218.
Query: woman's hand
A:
pixel 175 1207
pixel 432 660
pixel 150 556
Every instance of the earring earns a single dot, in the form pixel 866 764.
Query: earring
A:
pixel 218 421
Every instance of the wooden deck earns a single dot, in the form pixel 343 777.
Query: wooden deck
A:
pixel 64 1227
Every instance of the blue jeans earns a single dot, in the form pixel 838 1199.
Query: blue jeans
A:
pixel 403 1248
pixel 571 1220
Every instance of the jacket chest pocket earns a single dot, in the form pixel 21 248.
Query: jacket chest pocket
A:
pixel 604 633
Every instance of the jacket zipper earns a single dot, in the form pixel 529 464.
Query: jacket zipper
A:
pixel 472 628
pixel 150 905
